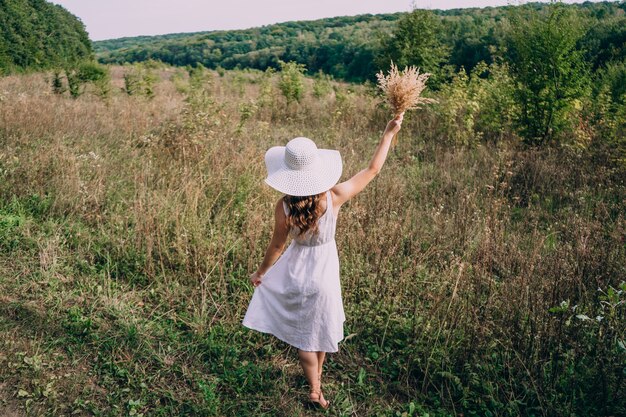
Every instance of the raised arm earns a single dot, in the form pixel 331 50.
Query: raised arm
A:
pixel 277 244
pixel 344 191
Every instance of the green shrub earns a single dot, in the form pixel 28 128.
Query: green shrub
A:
pixel 266 89
pixel 199 77
pixel 607 109
pixel 322 86
pixel 548 67
pixel 57 83
pixel 474 107
pixel 86 73
pixel 139 80
pixel 291 82
pixel 494 87
pixel 457 110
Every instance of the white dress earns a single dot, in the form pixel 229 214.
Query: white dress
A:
pixel 299 298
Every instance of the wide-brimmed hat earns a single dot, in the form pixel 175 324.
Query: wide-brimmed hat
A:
pixel 301 169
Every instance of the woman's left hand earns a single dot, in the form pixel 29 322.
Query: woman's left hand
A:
pixel 255 279
pixel 394 125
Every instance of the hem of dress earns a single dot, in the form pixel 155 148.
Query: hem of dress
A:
pixel 296 345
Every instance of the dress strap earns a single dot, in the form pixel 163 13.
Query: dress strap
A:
pixel 285 207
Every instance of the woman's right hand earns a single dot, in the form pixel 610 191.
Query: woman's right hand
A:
pixel 394 125
pixel 256 278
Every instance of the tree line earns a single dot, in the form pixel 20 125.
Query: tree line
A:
pixel 355 48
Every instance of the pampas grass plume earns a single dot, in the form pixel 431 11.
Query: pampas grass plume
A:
pixel 403 89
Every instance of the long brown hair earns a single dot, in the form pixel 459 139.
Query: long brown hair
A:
pixel 304 212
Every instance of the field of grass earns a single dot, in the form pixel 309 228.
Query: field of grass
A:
pixel 481 280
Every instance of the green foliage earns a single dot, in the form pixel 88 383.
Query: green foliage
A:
pixel 77 323
pixel 548 67
pixel 355 48
pixel 246 111
pixel 291 82
pixel 607 109
pixel 199 77
pixel 57 83
pixel 613 78
pixel 132 82
pixel 9 230
pixel 457 110
pixel 266 89
pixel 74 84
pixel 605 40
pixel 417 40
pixel 344 47
pixel 592 353
pixel 139 80
pixel 102 84
pixel 179 79
pixel 86 73
pixel 322 85
pixel 35 34
pixel 476 106
pixel 494 89
pixel 473 36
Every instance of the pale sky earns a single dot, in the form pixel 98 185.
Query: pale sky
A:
pixel 107 19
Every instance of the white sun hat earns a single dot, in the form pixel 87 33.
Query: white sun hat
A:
pixel 301 169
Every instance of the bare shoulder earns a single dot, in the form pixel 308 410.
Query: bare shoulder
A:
pixel 279 209
pixel 280 218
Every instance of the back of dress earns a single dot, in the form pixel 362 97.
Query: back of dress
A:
pixel 299 300
pixel 326 227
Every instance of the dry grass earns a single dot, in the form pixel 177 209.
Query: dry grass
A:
pixel 128 230
pixel 403 89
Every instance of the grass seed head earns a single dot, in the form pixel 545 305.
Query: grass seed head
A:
pixel 403 89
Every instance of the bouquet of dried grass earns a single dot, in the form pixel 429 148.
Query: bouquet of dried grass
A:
pixel 403 89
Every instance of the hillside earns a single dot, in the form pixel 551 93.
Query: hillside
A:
pixel 349 48
pixel 342 46
pixel 35 34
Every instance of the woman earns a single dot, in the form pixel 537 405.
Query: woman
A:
pixel 297 296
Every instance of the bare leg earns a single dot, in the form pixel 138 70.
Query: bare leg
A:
pixel 308 360
pixel 320 363
pixel 309 363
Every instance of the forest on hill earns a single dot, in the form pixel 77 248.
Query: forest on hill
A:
pixel 354 48
pixel 36 35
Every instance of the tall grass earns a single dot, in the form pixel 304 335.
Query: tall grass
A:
pixel 484 280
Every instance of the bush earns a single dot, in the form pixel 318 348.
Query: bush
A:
pixel 472 107
pixel 199 77
pixel 322 86
pixel 57 83
pixel 548 67
pixel 291 81
pixel 140 80
pixel 457 110
pixel 81 75
pixel 607 110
